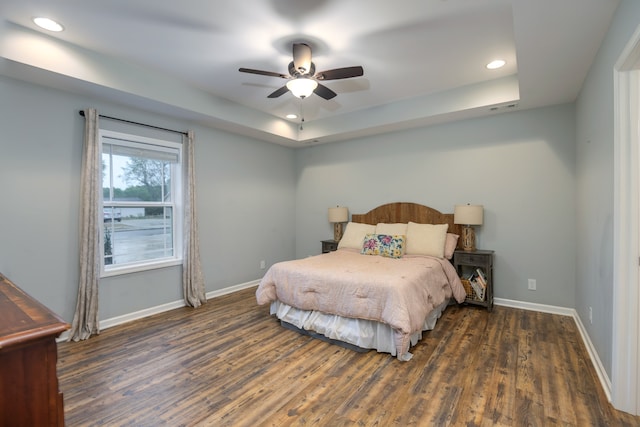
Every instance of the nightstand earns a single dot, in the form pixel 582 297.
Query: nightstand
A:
pixel 329 246
pixel 466 264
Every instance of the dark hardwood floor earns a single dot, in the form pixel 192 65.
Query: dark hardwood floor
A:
pixel 229 363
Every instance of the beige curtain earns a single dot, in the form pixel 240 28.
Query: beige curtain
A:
pixel 85 319
pixel 192 277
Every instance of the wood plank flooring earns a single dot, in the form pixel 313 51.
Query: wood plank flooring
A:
pixel 228 363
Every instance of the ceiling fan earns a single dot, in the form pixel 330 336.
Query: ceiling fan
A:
pixel 303 79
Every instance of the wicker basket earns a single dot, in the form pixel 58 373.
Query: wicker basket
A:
pixel 468 289
pixel 471 294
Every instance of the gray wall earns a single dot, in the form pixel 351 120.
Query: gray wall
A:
pixel 519 165
pixel 261 201
pixel 245 191
pixel 595 175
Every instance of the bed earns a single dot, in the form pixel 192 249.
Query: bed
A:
pixel 389 281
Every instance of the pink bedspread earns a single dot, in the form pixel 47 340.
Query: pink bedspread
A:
pixel 398 292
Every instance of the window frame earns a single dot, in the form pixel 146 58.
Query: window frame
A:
pixel 176 204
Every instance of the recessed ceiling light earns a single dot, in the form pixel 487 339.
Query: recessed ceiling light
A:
pixel 48 24
pixel 292 116
pixel 498 63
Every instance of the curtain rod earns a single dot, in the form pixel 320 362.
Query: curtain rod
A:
pixel 136 123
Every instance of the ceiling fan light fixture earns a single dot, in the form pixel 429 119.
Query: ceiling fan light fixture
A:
pixel 302 86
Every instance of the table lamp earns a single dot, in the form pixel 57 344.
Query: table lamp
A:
pixel 468 215
pixel 338 216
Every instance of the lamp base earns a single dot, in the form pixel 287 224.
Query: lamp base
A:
pixel 468 239
pixel 337 231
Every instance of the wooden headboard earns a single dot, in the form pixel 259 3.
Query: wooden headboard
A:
pixel 402 212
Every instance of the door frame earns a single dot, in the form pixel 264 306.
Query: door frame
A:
pixel 626 252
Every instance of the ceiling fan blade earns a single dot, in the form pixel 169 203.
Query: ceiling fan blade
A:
pixel 340 73
pixel 324 92
pixel 302 57
pixel 263 73
pixel 278 92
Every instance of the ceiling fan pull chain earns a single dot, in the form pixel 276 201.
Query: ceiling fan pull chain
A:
pixel 301 116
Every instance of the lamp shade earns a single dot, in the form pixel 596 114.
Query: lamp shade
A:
pixel 338 214
pixel 468 214
pixel 302 86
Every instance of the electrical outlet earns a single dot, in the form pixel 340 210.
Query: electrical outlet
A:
pixel 591 315
pixel 532 284
pixel 262 265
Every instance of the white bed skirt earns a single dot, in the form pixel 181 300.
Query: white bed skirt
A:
pixel 366 334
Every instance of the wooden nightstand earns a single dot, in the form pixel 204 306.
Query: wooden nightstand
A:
pixel 329 246
pixel 466 264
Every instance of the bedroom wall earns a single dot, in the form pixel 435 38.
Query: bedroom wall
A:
pixel 519 165
pixel 246 203
pixel 595 180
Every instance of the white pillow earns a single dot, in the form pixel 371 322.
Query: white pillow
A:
pixel 354 235
pixel 426 239
pixel 396 229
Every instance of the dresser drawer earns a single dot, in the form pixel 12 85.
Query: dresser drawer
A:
pixel 472 258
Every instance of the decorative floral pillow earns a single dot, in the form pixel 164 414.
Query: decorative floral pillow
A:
pixel 391 246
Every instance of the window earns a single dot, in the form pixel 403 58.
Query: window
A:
pixel 141 203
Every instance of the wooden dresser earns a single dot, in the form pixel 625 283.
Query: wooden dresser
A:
pixel 29 394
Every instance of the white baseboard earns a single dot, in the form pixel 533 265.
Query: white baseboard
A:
pixel 597 363
pixel 593 354
pixel 232 289
pixel 119 320
pixel 543 308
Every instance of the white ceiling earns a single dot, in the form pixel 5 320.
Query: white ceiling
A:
pixel 424 60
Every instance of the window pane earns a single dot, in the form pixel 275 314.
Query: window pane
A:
pixel 134 178
pixel 142 234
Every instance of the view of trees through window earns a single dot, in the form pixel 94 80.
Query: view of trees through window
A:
pixel 138 202
pixel 145 179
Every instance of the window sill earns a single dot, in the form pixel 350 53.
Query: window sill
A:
pixel 117 271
